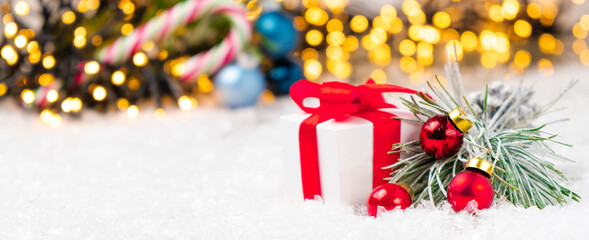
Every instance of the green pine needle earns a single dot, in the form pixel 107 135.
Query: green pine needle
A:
pixel 522 177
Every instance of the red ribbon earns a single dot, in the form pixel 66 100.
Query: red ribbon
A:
pixel 337 101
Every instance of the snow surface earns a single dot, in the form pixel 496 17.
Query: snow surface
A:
pixel 217 174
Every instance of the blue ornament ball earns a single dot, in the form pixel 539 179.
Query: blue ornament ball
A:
pixel 278 35
pixel 282 75
pixel 239 86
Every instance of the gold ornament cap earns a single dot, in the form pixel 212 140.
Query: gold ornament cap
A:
pixel 480 164
pixel 408 189
pixel 456 116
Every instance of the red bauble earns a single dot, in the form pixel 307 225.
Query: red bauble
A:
pixel 467 186
pixel 388 196
pixel 442 136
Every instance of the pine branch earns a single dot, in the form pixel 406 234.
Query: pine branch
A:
pixel 512 145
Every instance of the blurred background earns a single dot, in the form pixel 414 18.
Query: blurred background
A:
pixel 54 61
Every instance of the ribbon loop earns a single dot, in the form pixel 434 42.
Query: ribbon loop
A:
pixel 338 99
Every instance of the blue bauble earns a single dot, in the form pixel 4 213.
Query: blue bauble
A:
pixel 282 75
pixel 278 35
pixel 238 86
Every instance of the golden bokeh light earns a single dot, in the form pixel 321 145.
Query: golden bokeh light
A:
pixel 579 32
pixel 546 43
pixel 350 44
pixel 584 57
pixel 126 29
pixel 407 47
pixel 300 23
pixel 133 111
pixel 122 103
pixel 407 64
pixel 522 28
pixel 140 59
pixel 314 37
pixel 534 10
pixel 92 67
pixel 334 25
pixel 27 96
pixel 488 40
pixel 48 61
pixel 20 41
pixel 335 38
pixel 488 60
pixel 312 69
pixel 10 29
pixel 522 58
pixel 442 19
pixel 310 53
pixel 469 41
pixel 68 17
pixel 359 23
pixel 510 9
pixel 316 16
pixel 205 85
pixel 579 45
pixel 99 93
pixel 46 79
pixel 187 103
pixel 118 78
pixel 388 12
pixel 21 8
pixel 495 13
pixel 3 89
pixel 585 22
pixel 379 76
pixel 52 96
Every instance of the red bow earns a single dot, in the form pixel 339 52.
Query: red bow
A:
pixel 337 100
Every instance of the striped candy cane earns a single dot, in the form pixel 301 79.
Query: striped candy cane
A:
pixel 182 14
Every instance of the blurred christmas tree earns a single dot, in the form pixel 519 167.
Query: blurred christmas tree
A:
pixel 61 56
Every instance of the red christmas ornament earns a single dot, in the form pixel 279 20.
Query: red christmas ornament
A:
pixel 389 196
pixel 442 136
pixel 472 184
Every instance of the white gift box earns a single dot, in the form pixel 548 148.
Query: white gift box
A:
pixel 345 156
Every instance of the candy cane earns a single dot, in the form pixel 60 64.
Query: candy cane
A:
pixel 181 14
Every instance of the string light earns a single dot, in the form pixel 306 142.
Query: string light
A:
pixel 3 89
pixel 140 59
pixel 312 69
pixel 522 28
pixel 187 103
pixel 48 61
pixel 359 23
pixel 99 93
pixel 92 67
pixel 132 111
pixel 52 96
pixel 68 17
pixel 407 47
pixel 27 96
pixel 21 8
pixel 205 85
pixel 442 20
pixel 314 37
pixel 10 29
pixel 117 78
pixel 46 79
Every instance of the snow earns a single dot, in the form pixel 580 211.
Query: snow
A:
pixel 217 174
